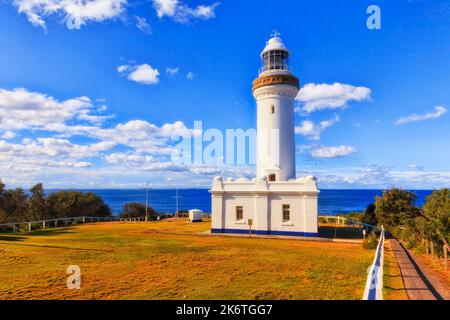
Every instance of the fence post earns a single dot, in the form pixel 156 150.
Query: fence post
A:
pixel 14 228
pixel 56 223
pixel 43 224
pixel 29 226
pixel 84 219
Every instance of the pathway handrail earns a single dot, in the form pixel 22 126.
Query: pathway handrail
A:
pixel 374 283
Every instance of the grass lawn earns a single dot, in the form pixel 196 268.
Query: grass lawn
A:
pixel 170 260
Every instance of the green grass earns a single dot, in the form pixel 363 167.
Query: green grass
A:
pixel 171 260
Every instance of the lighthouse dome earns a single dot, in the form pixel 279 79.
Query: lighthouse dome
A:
pixel 275 43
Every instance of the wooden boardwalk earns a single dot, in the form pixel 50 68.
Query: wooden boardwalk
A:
pixel 416 284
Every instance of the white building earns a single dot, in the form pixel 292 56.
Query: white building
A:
pixel 195 215
pixel 275 202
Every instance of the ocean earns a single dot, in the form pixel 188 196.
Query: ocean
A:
pixel 331 202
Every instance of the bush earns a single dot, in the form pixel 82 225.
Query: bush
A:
pixel 136 210
pixel 358 216
pixel 371 242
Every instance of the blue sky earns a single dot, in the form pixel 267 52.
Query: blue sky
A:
pixel 91 91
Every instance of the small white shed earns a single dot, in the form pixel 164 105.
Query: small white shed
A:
pixel 195 215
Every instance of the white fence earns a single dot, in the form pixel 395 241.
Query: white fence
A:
pixel 62 222
pixel 344 220
pixel 374 283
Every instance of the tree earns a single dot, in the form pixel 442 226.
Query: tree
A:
pixel 437 213
pixel 14 206
pixel 369 215
pixel 396 208
pixel 37 209
pixel 136 210
pixel 75 204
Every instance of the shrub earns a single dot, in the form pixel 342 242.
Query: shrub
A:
pixel 136 210
pixel 371 242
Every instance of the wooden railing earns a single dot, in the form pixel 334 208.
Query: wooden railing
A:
pixel 63 222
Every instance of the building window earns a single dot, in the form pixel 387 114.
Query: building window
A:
pixel 286 213
pixel 273 109
pixel 239 213
pixel 272 177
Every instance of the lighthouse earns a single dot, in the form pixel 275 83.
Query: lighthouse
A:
pixel 275 90
pixel 276 201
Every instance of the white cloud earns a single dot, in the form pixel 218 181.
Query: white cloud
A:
pixel 121 158
pixel 316 97
pixel 181 13
pixel 333 152
pixel 438 112
pixel 75 12
pixel 172 71
pixel 416 167
pixel 190 76
pixel 143 74
pixel 313 131
pixel 122 68
pixel 165 7
pixel 143 25
pixel 53 147
pixel 23 109
pixel 8 135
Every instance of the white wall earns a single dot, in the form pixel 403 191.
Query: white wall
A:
pixel 276 131
pixel 267 214
pixel 263 202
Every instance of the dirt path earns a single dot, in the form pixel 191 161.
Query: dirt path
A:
pixel 417 283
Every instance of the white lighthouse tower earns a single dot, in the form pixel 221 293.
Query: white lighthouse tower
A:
pixel 275 202
pixel 275 90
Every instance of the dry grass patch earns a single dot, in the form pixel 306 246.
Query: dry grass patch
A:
pixel 171 260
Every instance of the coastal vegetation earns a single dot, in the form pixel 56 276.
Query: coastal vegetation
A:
pixel 174 259
pixel 19 206
pixel 137 210
pixel 397 212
